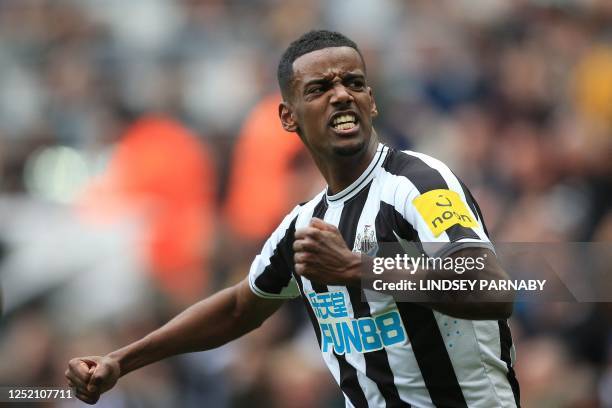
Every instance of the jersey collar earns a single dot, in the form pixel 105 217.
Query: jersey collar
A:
pixel 362 181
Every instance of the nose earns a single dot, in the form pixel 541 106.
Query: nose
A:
pixel 341 95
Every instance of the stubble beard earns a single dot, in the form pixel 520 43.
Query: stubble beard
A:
pixel 348 151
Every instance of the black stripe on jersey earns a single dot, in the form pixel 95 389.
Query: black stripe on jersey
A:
pixel 506 344
pixel 431 355
pixel 420 324
pixel 378 368
pixel 319 212
pixel 277 274
pixel 349 384
pixel 389 220
pixel 425 178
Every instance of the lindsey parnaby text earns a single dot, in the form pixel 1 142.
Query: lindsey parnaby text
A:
pixel 531 285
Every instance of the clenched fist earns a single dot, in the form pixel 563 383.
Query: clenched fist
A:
pixel 321 255
pixel 91 376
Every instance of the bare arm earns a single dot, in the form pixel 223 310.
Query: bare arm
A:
pixel 210 323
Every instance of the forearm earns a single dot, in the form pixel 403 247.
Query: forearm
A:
pixel 207 324
pixel 465 304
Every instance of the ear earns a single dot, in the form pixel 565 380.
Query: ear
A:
pixel 373 110
pixel 287 117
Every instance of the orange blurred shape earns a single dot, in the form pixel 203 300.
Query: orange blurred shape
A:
pixel 259 191
pixel 161 170
pixel 593 84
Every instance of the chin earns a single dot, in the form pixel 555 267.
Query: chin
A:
pixel 349 149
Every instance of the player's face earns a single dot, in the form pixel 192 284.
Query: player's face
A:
pixel 331 104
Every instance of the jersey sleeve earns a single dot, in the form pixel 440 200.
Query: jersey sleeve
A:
pixel 441 209
pixel 271 274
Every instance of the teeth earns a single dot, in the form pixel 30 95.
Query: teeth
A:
pixel 344 118
pixel 344 126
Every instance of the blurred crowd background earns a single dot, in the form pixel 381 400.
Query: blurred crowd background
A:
pixel 142 165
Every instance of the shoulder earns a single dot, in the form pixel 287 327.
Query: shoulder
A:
pixel 418 171
pixel 422 171
pixel 409 175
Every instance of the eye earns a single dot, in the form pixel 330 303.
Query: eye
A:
pixel 356 83
pixel 313 90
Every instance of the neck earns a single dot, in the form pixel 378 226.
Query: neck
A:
pixel 340 172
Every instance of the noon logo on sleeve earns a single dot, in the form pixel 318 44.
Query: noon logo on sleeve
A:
pixel 441 209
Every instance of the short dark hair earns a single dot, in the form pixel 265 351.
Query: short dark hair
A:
pixel 309 42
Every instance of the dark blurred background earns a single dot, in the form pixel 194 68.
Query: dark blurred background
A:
pixel 142 165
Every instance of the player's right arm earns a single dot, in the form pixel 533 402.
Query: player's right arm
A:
pixel 210 323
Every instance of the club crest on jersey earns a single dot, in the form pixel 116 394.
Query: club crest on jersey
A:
pixel 365 241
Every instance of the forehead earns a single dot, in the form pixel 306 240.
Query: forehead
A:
pixel 327 62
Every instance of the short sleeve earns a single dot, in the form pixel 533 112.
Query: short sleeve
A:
pixel 271 274
pixel 440 208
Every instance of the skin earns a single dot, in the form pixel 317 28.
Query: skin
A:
pixel 326 82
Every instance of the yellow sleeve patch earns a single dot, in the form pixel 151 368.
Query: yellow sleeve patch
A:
pixel 441 209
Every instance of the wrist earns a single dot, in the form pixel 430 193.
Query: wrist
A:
pixel 114 360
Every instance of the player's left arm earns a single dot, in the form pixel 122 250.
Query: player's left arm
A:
pixel 476 304
pixel 321 255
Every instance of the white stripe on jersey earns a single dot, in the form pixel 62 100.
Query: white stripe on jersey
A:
pixel 488 340
pixel 474 349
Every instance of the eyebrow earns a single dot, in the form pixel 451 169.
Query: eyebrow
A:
pixel 352 75
pixel 323 81
pixel 320 81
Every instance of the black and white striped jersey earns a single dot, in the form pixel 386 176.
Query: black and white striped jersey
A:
pixel 383 352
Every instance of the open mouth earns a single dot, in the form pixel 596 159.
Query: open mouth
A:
pixel 344 122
